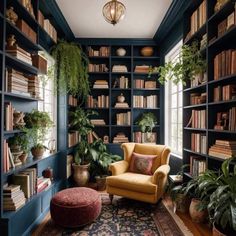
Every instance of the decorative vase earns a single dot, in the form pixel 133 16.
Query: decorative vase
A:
pixel 121 98
pixel 23 157
pixel 120 52
pixel 37 152
pixel 216 232
pixel 182 203
pixel 146 51
pixel 196 215
pixel 101 182
pixel 81 174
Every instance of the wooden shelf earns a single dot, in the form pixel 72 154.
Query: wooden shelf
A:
pixel 221 131
pixel 195 129
pixel 140 58
pixel 221 102
pixel 22 97
pixel 196 153
pixel 144 108
pixel 145 89
pixel 12 132
pixel 195 88
pixel 98 73
pixel 195 106
pixel 121 89
pixel 188 175
pixel 227 78
pixel 98 57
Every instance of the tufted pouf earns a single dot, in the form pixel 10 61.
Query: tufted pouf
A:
pixel 75 207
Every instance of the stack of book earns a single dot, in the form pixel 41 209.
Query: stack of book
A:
pixel 139 137
pixel 73 138
pixel 50 29
pixel 142 69
pixel 150 84
pixel 42 184
pixel 16 82
pixel 72 101
pixel 120 138
pixel 198 119
pixel 224 93
pixel 119 68
pixel 9 111
pixel 145 102
pixel 98 122
pixel 101 102
pixel 100 84
pixel 33 86
pixel 223 149
pixel 97 68
pixel 123 118
pixel 102 52
pixel 121 105
pixel 197 166
pixel 197 98
pixel 27 181
pixel 198 143
pixel 13 198
pixel 225 64
pixel 20 54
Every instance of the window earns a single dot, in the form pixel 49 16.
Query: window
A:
pixel 173 108
pixel 49 103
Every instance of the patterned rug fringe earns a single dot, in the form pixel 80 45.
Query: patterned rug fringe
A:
pixel 185 230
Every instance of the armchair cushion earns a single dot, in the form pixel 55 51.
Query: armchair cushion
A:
pixel 141 163
pixel 133 182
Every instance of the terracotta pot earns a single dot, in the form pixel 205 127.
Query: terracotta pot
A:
pixel 81 174
pixel 216 232
pixel 101 182
pixel 146 51
pixel 182 203
pixel 23 157
pixel 37 152
pixel 196 215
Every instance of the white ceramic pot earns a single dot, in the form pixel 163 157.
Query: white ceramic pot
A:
pixel 120 52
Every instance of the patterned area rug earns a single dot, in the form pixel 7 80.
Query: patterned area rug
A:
pixel 124 217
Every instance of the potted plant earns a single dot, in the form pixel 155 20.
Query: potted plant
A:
pixel 80 121
pixel 71 68
pixel 100 161
pixel 37 123
pixel 147 122
pixel 188 64
pixel 222 204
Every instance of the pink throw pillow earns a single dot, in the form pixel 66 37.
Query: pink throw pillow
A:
pixel 141 163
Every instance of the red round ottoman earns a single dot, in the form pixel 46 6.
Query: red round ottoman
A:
pixel 75 207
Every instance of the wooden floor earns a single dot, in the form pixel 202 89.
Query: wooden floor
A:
pixel 196 229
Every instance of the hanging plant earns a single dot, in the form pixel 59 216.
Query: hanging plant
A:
pixel 187 65
pixel 71 69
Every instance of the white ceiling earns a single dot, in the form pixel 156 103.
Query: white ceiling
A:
pixel 142 18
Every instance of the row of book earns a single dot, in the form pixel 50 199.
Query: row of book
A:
pixel 198 119
pixel 120 138
pixel 141 83
pixel 123 118
pixel 72 101
pixel 139 137
pixel 198 143
pixel 73 138
pixel 122 82
pixel 197 98
pixel 226 120
pixel 197 19
pixel 197 166
pixel 100 84
pixel 226 24
pixel 49 28
pixel 223 149
pixel 28 6
pixel 145 102
pixel 102 101
pixel 9 116
pixel 13 197
pixel 101 52
pixel 224 93
pixel 142 69
pixel 225 64
pixel 97 68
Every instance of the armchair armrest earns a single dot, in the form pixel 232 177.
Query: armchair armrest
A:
pixel 160 175
pixel 118 167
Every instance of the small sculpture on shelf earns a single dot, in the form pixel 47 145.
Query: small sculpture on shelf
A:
pixel 11 15
pixel 121 102
pixel 11 41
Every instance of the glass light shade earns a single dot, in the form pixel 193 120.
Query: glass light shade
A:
pixel 113 11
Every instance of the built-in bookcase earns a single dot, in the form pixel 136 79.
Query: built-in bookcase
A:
pixel 122 78
pixel 212 98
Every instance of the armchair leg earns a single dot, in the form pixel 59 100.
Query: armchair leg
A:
pixel 111 197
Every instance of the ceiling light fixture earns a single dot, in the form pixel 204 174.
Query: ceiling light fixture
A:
pixel 113 11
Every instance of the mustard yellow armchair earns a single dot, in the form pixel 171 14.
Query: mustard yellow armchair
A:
pixel 147 188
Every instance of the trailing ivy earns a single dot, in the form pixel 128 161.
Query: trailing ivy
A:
pixel 71 69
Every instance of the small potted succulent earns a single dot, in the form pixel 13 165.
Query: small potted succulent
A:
pixel 37 124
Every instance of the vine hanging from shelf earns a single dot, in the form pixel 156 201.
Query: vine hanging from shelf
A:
pixel 71 69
